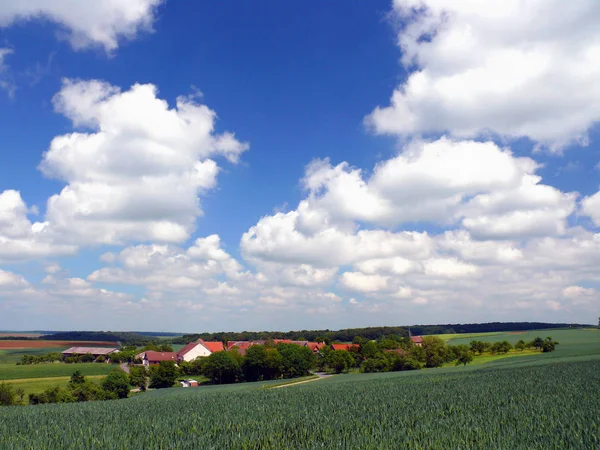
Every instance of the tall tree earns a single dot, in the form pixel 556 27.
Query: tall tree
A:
pixel 117 383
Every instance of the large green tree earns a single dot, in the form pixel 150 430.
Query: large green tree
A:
pixel 296 360
pixel 463 354
pixel 340 360
pixel 435 351
pixel 163 375
pixel 222 367
pixel 117 383
pixel 255 363
pixel 138 377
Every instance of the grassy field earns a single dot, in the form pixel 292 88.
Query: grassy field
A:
pixel 471 336
pixel 12 355
pixel 568 336
pixel 535 402
pixel 14 372
pixel 39 385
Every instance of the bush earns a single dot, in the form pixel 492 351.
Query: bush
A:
pixel 164 375
pixel 138 377
pixel 117 383
pixel 7 395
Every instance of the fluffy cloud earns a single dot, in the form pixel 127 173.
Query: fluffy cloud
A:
pixel 590 206
pixel 139 172
pixel 499 259
pixel 492 192
pixel 165 267
pixel 205 277
pixel 20 238
pixel 495 67
pixel 9 280
pixel 101 22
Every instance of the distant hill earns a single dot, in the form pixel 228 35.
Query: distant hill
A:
pixel 125 337
pixel 347 335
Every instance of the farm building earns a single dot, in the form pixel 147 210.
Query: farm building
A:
pixel 94 351
pixel 315 346
pixel 417 340
pixel 289 341
pixel 189 383
pixel 152 358
pixel 197 349
pixel 242 346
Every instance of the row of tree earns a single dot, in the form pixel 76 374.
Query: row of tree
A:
pixel 543 345
pixel 261 362
pixel 371 333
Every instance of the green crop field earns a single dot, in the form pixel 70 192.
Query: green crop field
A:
pixel 13 355
pixel 564 336
pixel 449 337
pixel 533 402
pixel 13 372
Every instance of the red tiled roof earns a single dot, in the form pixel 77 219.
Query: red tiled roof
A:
pixel 315 346
pixel 346 347
pixel 416 339
pixel 152 356
pixel 213 346
pixel 185 350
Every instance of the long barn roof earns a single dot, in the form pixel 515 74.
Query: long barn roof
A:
pixel 91 350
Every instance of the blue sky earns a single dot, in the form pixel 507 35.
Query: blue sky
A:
pixel 363 163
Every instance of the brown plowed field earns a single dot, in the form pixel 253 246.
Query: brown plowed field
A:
pixel 517 332
pixel 46 344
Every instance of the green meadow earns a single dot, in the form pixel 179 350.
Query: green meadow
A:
pixel 48 370
pixel 538 401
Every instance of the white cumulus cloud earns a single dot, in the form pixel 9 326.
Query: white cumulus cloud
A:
pixel 86 23
pixel 138 174
pixel 511 67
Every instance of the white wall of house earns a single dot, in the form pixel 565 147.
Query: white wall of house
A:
pixel 196 352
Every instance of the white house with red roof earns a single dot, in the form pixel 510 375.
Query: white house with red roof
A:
pixel 199 349
pixel 417 340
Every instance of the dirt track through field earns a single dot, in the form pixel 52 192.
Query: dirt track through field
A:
pixel 320 377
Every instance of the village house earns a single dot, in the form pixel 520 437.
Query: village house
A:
pixel 347 347
pixel 152 358
pixel 198 349
pixel 417 340
pixel 94 351
pixel 315 347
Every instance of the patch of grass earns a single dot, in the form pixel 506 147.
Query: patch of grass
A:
pixel 488 357
pixel 39 385
pixel 471 336
pixel 48 370
pixel 13 355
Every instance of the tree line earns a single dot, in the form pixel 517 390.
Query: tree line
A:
pixel 371 333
